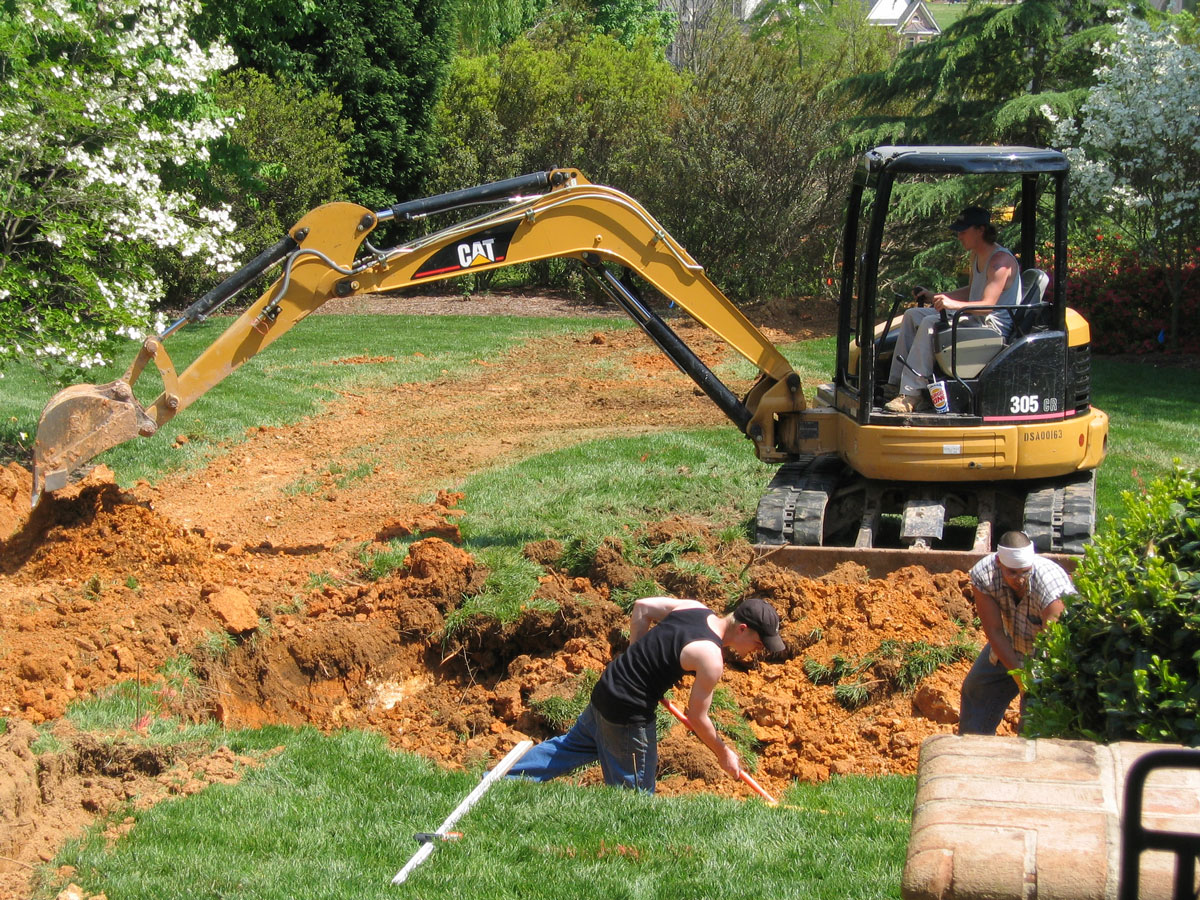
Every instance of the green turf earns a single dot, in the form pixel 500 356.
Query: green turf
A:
pixel 333 817
pixel 1153 419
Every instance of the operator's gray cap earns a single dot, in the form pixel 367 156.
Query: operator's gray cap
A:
pixel 761 616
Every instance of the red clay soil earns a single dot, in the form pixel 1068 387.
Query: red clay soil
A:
pixel 102 585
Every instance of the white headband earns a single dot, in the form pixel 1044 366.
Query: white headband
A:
pixel 1017 557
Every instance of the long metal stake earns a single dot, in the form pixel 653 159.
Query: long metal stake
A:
pixel 742 773
pixel 472 798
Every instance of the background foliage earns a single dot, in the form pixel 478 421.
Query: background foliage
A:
pixel 747 184
pixel 987 79
pixel 562 96
pixel 1123 662
pixel 1136 151
pixel 286 154
pixel 738 137
pixel 1127 300
pixel 103 115
pixel 383 58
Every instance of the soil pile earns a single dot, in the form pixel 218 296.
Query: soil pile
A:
pixel 100 588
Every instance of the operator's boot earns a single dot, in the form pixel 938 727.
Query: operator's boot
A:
pixel 909 403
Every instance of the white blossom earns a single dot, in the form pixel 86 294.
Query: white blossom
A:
pixel 1135 153
pixel 104 203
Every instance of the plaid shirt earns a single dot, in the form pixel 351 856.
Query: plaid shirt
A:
pixel 1022 617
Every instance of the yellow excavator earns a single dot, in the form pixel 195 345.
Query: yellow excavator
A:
pixel 1017 448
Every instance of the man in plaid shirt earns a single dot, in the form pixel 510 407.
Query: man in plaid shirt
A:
pixel 1017 593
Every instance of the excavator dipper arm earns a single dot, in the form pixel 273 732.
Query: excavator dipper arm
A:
pixel 327 255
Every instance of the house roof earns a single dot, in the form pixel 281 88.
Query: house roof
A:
pixel 906 16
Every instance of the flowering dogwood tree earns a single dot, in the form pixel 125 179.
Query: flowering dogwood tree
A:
pixel 102 105
pixel 1135 152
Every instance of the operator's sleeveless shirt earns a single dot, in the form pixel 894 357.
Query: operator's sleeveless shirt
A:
pixel 631 686
pixel 1002 318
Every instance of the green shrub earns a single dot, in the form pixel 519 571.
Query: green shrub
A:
pixel 384 60
pixel 562 96
pixel 1123 662
pixel 286 154
pixel 746 184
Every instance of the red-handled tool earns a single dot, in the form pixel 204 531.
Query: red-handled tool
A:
pixel 742 773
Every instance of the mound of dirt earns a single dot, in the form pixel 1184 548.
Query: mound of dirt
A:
pixel 377 654
pixel 15 487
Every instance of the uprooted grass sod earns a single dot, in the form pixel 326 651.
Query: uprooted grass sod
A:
pixel 334 817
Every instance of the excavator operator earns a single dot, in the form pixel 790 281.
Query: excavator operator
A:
pixel 995 279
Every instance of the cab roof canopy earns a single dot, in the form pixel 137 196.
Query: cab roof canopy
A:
pixel 963 160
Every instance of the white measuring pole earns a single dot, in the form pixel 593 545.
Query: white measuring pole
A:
pixel 459 811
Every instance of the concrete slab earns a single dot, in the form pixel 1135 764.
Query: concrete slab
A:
pixel 1000 818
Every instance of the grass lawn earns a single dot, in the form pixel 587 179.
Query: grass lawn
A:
pixel 946 14
pixel 333 817
pixel 294 372
pixel 1153 420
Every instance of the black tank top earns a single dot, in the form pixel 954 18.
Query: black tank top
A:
pixel 634 682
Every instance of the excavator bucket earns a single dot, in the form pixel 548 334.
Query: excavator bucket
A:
pixel 80 423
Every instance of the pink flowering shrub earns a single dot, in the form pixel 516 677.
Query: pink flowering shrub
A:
pixel 1126 301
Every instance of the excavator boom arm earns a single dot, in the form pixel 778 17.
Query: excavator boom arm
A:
pixel 327 255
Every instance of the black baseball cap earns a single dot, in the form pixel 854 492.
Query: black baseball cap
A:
pixel 971 217
pixel 761 616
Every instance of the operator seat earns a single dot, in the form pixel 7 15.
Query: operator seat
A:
pixel 977 344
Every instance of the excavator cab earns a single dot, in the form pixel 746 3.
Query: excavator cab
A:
pixel 1019 442
pixel 970 358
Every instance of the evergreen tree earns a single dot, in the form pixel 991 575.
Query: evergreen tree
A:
pixel 987 78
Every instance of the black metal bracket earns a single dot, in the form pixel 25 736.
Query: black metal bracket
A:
pixel 1136 838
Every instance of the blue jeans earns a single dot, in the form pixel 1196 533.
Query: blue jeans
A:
pixel 987 691
pixel 628 754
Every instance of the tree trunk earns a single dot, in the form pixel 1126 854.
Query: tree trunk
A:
pixel 1175 285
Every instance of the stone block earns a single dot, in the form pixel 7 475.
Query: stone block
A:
pixel 999 818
